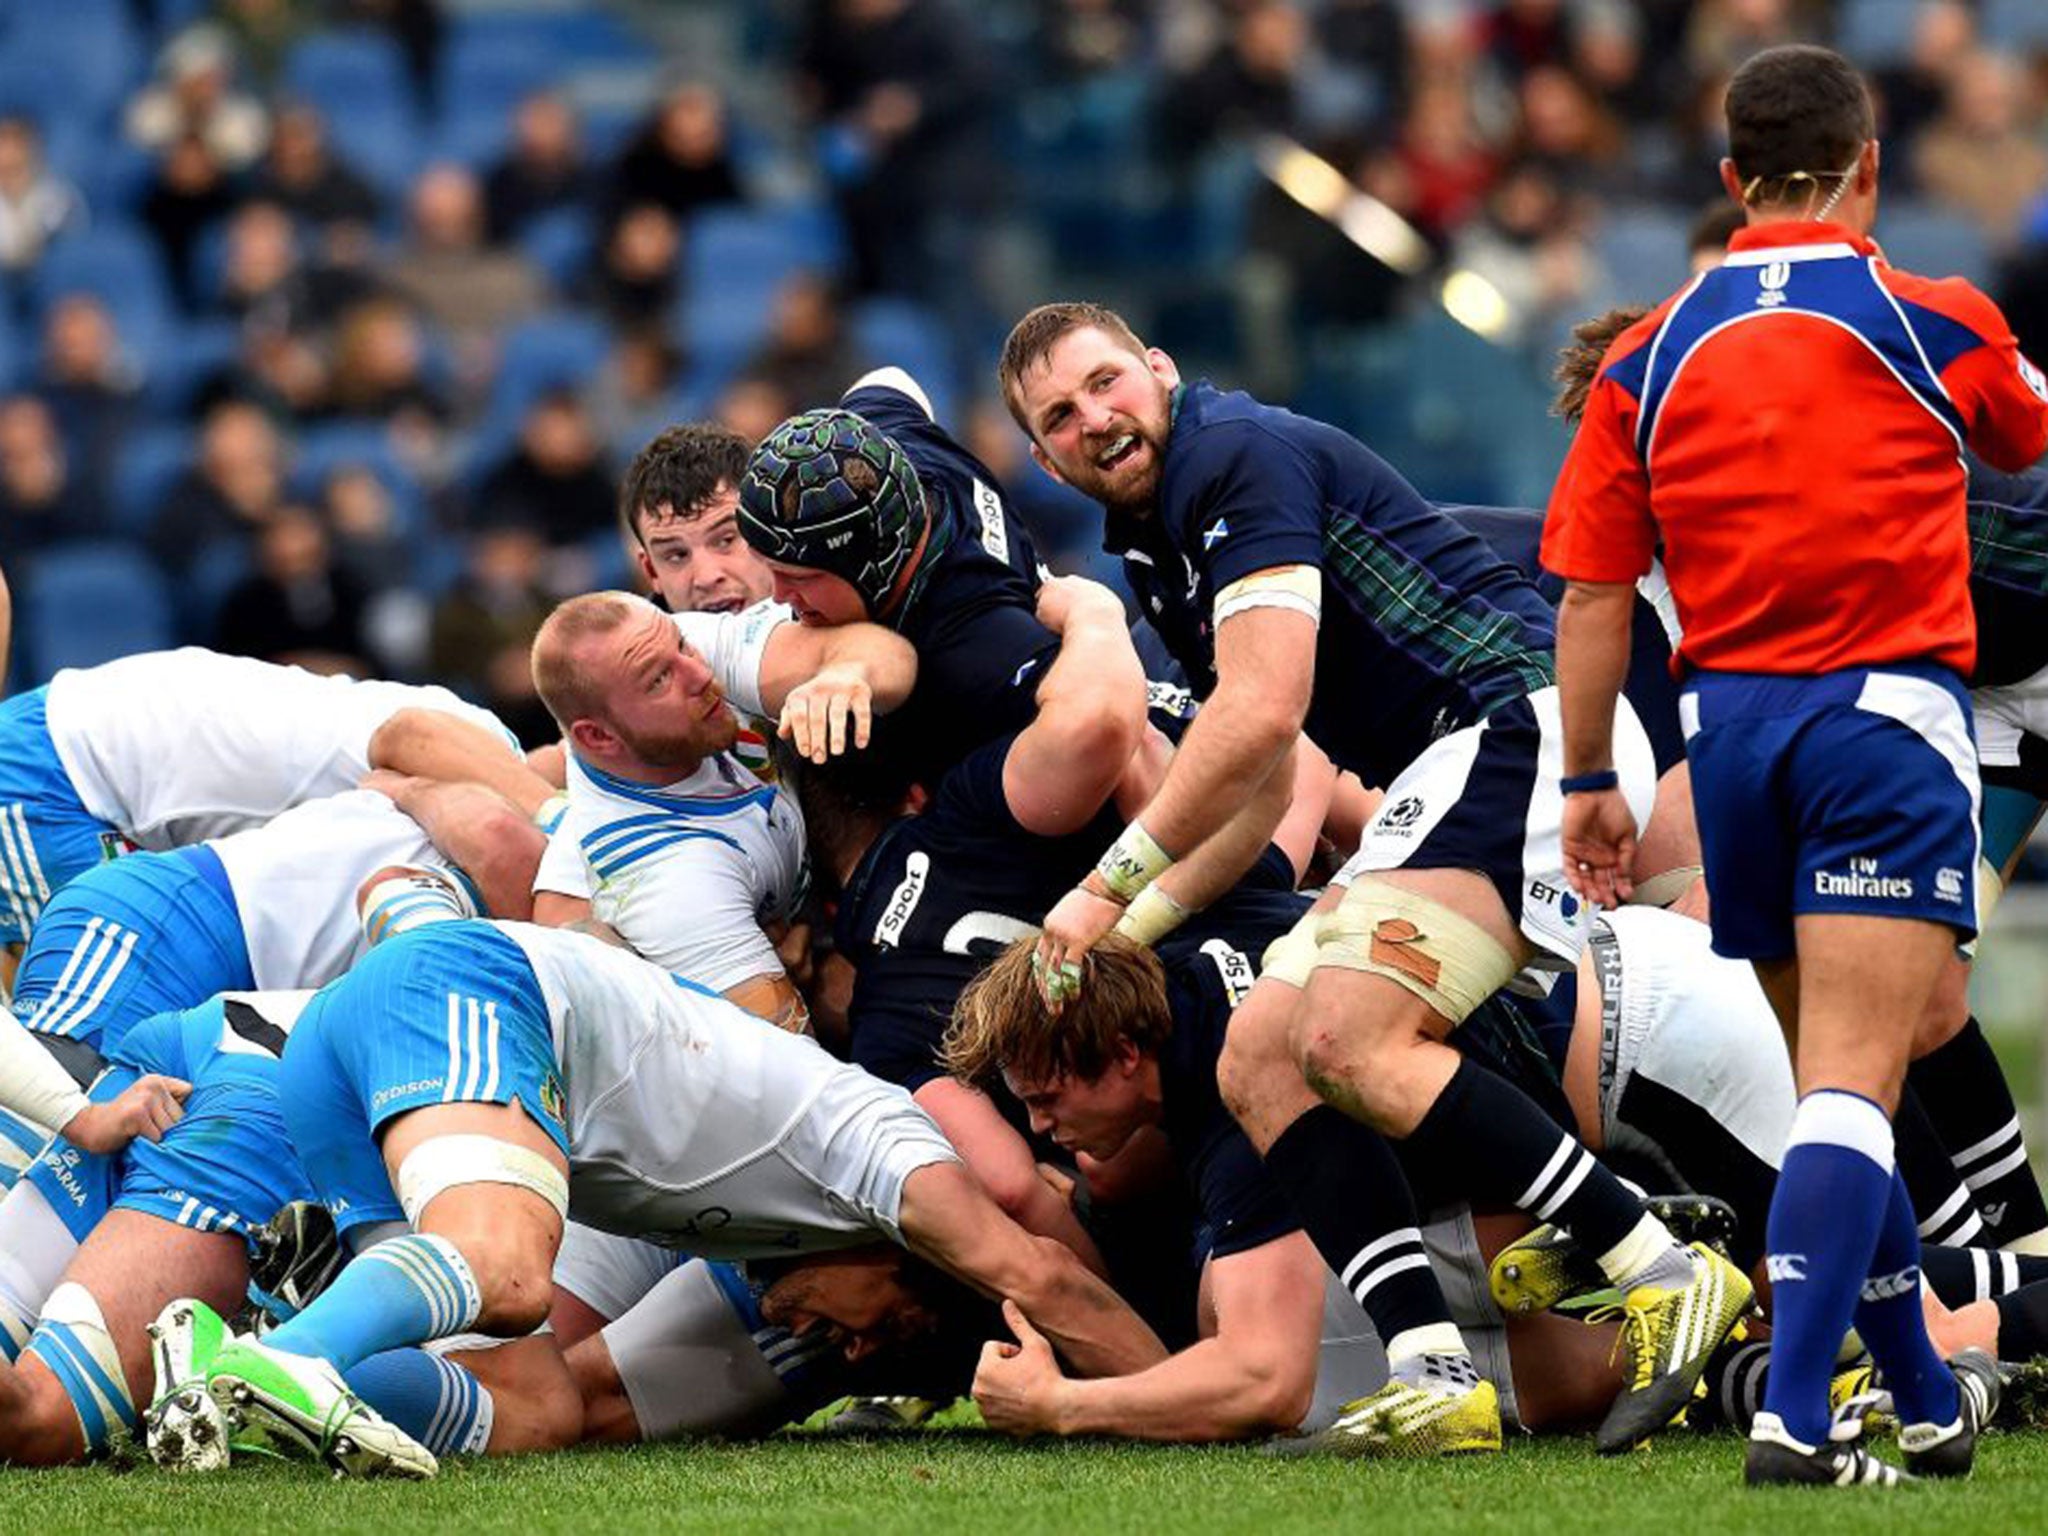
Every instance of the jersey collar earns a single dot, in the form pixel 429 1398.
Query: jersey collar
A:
pixel 1756 245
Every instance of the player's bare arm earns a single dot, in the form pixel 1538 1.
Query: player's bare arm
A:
pixel 477 828
pixel 1252 1373
pixel 1593 624
pixel 826 685
pixel 430 744
pixel 1265 668
pixel 945 1217
pixel 1091 712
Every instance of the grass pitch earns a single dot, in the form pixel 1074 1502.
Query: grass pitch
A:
pixel 959 1483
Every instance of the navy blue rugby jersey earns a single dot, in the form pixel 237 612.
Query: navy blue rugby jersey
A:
pixel 1424 630
pixel 2008 573
pixel 1515 533
pixel 1209 970
pixel 970 611
pixel 936 898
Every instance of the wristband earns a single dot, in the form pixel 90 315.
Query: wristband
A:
pixel 1150 917
pixel 1589 783
pixel 1133 862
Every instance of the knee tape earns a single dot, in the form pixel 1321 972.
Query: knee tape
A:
pixel 73 1341
pixel 1292 956
pixel 1448 961
pixel 443 1162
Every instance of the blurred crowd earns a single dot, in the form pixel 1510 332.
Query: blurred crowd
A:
pixel 327 324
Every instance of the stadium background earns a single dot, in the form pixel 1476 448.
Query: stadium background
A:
pixel 328 324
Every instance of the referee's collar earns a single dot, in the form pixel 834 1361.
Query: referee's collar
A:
pixel 1781 233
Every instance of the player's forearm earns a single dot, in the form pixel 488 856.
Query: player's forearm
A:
pixel 1093 696
pixel 797 653
pixel 1593 625
pixel 1220 862
pixel 1092 1326
pixel 1236 741
pixel 490 839
pixel 428 744
pixel 1213 1390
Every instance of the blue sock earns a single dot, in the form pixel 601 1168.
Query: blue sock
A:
pixel 435 1401
pixel 404 1291
pixel 1893 1325
pixel 1830 1201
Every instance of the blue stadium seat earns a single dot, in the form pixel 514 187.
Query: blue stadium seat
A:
pixel 186 357
pixel 897 333
pixel 325 449
pixel 563 244
pixel 1643 249
pixel 359 83
pixel 1935 242
pixel 117 264
pixel 150 462
pixel 83 604
pixel 572 37
pixel 2019 25
pixel 489 69
pixel 91 46
pixel 475 133
pixel 734 261
pixel 546 352
pixel 1876 32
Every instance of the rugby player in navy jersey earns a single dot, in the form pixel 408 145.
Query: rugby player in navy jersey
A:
pixel 1304 585
pixel 871 511
pixel 1138 1048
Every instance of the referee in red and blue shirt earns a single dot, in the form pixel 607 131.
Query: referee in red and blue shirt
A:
pixel 1789 427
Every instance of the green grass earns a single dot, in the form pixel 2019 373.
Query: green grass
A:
pixel 953 1484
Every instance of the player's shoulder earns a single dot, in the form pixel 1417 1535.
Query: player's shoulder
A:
pixel 747 626
pixel 889 391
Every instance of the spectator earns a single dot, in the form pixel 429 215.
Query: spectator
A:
pixel 639 280
pixel 297 606
pixel 419 29
pixel 261 281
pixel 902 97
pixel 1981 156
pixel 263 33
pixel 542 170
pixel 1079 38
pixel 90 385
pixel 1566 129
pixel 233 490
pixel 1443 157
pixel 808 354
pixel 1911 93
pixel 40 503
pixel 632 397
pixel 1529 245
pixel 194 98
pixel 362 519
pixel 34 205
pixel 681 160
pixel 554 480
pixel 753 407
pixel 302 177
pixel 463 286
pixel 1245 85
pixel 483 627
pixel 190 193
pixel 379 369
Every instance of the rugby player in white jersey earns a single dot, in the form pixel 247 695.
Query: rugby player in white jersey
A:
pixel 168 748
pixel 593 1081
pixel 272 908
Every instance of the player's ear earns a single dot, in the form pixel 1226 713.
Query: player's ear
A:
pixel 1731 179
pixel 1163 367
pixel 1039 458
pixel 592 736
pixel 1867 165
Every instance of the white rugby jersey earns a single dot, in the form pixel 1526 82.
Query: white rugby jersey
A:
pixel 686 873
pixel 693 1127
pixel 174 747
pixel 295 881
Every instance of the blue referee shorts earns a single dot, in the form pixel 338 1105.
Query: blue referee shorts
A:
pixel 1854 792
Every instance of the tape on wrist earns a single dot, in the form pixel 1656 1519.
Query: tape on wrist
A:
pixel 1132 862
pixel 1151 916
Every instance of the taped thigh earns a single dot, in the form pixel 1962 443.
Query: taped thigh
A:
pixel 442 1162
pixel 1445 959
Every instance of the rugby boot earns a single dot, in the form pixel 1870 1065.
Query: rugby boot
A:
pixel 880 1416
pixel 1546 1266
pixel 1775 1459
pixel 1668 1333
pixel 297 1255
pixel 1408 1421
pixel 302 1402
pixel 1947 1450
pixel 184 1428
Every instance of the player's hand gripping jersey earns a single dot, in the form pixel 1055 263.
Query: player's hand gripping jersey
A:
pixel 1794 546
